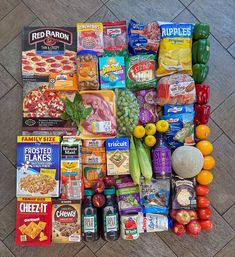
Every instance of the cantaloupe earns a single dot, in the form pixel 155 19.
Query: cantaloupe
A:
pixel 187 161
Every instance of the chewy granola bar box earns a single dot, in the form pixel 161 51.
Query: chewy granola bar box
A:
pixel 38 166
pixel 66 221
pixel 33 221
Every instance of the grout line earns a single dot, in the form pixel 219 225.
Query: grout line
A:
pixel 8 72
pixel 228 208
pixel 179 13
pixel 14 165
pixel 8 247
pixel 79 249
pixel 32 12
pixel 158 235
pixel 8 91
pixel 230 45
pixel 7 203
pixel 95 11
pixel 10 11
pixel 223 247
pixel 98 249
pixel 223 101
pixel 112 11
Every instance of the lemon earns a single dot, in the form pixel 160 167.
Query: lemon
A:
pixel 150 140
pixel 150 129
pixel 162 126
pixel 139 131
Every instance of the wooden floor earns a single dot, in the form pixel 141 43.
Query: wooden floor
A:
pixel 14 14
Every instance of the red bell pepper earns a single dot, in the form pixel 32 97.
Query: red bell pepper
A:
pixel 202 93
pixel 202 113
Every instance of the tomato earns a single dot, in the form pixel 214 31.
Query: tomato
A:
pixel 202 202
pixel 204 213
pixel 206 224
pixel 193 228
pixel 179 229
pixel 202 190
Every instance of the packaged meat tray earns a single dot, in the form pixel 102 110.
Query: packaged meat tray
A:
pixel 101 123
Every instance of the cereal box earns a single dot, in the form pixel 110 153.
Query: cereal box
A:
pixel 117 152
pixel 66 221
pixel 33 221
pixel 38 162
pixel 112 72
pixel 71 168
pixel 49 56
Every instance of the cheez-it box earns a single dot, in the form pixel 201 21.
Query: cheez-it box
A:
pixel 33 221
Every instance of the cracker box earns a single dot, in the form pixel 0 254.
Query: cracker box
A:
pixel 117 152
pixel 49 55
pixel 33 221
pixel 66 221
pixel 38 166
pixel 112 72
pixel 71 168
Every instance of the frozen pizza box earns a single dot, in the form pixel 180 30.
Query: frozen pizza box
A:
pixel 38 166
pixel 49 56
pixel 66 221
pixel 33 221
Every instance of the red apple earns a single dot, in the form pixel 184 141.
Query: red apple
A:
pixel 109 181
pixel 98 187
pixel 193 215
pixel 98 200
pixel 193 228
pixel 183 217
pixel 173 214
pixel 179 229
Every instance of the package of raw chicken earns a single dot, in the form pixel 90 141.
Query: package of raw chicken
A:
pixel 101 123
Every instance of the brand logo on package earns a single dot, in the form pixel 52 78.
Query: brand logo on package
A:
pixel 50 36
pixel 117 143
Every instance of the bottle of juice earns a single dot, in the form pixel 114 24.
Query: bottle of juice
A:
pixel 110 216
pixel 161 158
pixel 89 217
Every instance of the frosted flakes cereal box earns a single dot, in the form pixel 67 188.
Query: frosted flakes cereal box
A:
pixel 38 166
pixel 33 221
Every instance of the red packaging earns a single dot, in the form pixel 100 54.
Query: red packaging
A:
pixel 202 113
pixel 202 93
pixel 33 221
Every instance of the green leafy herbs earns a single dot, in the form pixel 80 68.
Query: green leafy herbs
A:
pixel 75 111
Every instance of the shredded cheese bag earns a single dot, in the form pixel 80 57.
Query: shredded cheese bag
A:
pixel 175 54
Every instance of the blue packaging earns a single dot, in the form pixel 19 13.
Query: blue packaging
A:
pixel 38 166
pixel 117 152
pixel 172 109
pixel 181 129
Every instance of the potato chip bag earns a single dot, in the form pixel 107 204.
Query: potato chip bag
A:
pixel 175 54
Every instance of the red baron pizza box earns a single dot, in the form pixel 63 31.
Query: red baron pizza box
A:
pixel 49 76
pixel 33 221
pixel 49 56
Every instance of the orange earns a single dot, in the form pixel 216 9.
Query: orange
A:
pixel 205 147
pixel 209 162
pixel 202 132
pixel 205 177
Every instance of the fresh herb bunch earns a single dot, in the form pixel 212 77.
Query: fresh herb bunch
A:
pixel 75 111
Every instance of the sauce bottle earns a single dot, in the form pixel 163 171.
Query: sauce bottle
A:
pixel 110 216
pixel 89 218
pixel 161 158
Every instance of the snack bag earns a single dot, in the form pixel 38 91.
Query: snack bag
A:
pixel 181 129
pixel 90 37
pixel 87 67
pixel 175 53
pixel 176 89
pixel 33 221
pixel 140 71
pixel 115 38
pixel 143 38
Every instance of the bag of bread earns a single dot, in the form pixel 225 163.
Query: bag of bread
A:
pixel 175 53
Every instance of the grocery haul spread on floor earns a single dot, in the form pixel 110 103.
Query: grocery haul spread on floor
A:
pixel 115 132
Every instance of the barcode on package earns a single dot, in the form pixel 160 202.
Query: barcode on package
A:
pixel 101 126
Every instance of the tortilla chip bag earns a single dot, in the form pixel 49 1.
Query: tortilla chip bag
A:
pixel 175 54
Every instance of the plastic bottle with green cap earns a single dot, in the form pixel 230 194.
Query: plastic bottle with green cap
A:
pixel 110 216
pixel 89 217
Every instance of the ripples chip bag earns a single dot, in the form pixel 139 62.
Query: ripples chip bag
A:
pixel 175 54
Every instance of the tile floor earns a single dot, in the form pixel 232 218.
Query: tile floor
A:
pixel 14 14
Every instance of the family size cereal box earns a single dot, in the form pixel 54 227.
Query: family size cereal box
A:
pixel 38 162
pixel 66 221
pixel 71 168
pixel 33 221
pixel 117 152
pixel 112 72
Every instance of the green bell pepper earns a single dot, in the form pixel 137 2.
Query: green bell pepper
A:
pixel 201 31
pixel 200 72
pixel 201 51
